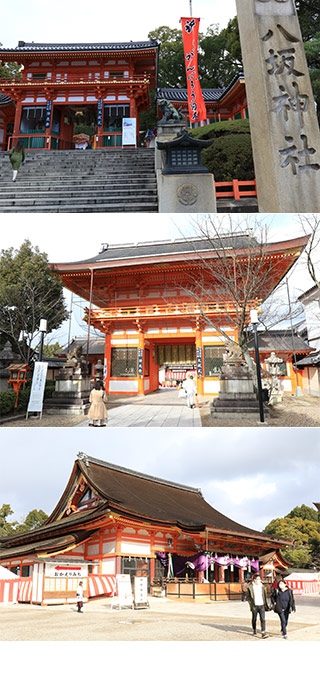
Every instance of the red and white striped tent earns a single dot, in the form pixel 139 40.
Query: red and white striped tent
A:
pixel 9 586
pixel 100 584
pixel 307 583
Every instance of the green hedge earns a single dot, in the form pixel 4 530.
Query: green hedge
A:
pixel 8 398
pixel 7 401
pixel 230 155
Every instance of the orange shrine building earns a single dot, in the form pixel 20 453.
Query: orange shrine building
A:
pixel 112 520
pixel 64 84
pixel 144 299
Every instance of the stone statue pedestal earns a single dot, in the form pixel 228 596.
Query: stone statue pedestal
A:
pixel 72 392
pixel 184 183
pixel 166 132
pixel 237 394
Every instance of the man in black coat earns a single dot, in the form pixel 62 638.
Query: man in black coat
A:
pixel 283 602
pixel 257 599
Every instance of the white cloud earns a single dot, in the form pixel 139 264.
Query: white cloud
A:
pixel 242 490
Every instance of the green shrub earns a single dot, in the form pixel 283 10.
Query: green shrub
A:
pixel 230 155
pixel 221 128
pixel 8 398
pixel 7 401
pixel 230 158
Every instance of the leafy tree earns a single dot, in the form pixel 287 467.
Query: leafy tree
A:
pixel 309 18
pixel 29 291
pixel 312 49
pixel 219 55
pixel 301 525
pixel 171 59
pixel 6 529
pixel 33 520
pixel 303 512
pixel 52 349
pixel 9 71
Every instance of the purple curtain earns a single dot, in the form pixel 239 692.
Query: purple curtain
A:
pixel 201 562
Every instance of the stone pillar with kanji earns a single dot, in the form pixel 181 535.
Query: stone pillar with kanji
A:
pixel 284 128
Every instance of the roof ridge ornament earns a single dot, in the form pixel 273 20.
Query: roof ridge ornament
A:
pixel 83 458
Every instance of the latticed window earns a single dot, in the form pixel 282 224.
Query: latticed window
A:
pixel 123 362
pixel 213 360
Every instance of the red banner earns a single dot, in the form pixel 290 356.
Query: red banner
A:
pixel 190 33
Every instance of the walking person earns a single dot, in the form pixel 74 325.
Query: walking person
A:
pixel 283 602
pixel 16 156
pixel 257 598
pixel 98 414
pixel 80 597
pixel 191 391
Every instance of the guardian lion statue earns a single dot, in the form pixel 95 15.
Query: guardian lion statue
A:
pixel 169 113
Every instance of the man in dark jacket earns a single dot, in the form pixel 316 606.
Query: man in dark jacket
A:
pixel 283 602
pixel 257 598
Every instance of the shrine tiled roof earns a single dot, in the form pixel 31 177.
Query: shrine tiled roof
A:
pixel 281 341
pixel 182 95
pixel 25 47
pixel 146 496
pixel 312 360
pixel 209 95
pixel 4 100
pixel 167 247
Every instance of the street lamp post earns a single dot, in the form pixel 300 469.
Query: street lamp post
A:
pixel 43 329
pixel 254 320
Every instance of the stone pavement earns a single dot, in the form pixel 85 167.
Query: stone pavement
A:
pixel 165 620
pixel 164 409
pixel 152 416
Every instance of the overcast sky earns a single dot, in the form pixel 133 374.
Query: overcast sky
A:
pixel 77 21
pixel 250 475
pixel 74 237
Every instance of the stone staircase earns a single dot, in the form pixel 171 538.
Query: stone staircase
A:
pixel 80 181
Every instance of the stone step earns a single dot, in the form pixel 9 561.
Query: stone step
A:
pixel 67 195
pixel 69 181
pixel 111 207
pixel 60 200
pixel 86 189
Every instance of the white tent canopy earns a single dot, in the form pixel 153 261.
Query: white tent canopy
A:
pixel 6 574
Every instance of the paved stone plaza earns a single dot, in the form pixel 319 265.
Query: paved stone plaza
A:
pixel 164 409
pixel 165 620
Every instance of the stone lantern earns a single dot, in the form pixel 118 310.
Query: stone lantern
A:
pixel 274 362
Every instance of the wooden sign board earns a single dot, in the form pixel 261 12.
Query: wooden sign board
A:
pixel 124 598
pixel 141 593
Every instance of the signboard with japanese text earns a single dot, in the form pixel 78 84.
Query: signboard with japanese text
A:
pixel 65 570
pixel 124 590
pixel 141 592
pixel 140 361
pixel 199 361
pixel 39 378
pixel 129 131
pixel 48 114
pixel 99 113
pixel 190 33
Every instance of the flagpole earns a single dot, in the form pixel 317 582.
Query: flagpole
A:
pixel 190 3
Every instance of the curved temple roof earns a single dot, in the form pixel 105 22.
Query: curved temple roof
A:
pixel 25 47
pixel 131 495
